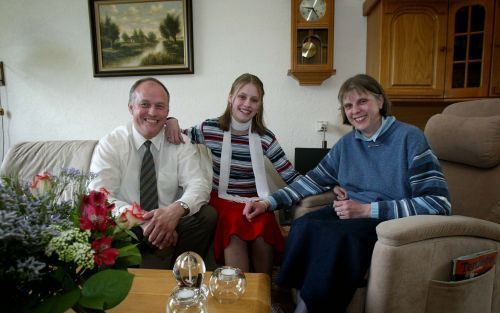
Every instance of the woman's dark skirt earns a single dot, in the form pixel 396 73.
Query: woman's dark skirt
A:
pixel 327 258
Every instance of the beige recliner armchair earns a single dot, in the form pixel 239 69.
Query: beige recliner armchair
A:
pixel 411 263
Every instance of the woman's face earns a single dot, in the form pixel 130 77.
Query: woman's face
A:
pixel 363 111
pixel 245 103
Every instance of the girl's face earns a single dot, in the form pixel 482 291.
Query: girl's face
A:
pixel 363 111
pixel 245 103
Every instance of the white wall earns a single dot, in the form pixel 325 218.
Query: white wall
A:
pixel 51 94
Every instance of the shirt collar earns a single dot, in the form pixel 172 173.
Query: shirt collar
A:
pixel 386 123
pixel 139 139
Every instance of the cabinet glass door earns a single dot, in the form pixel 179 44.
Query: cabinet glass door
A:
pixel 470 26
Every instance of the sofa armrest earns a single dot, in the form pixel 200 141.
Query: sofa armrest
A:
pixel 313 203
pixel 414 254
pixel 406 230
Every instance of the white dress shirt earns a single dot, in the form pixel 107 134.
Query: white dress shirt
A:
pixel 117 161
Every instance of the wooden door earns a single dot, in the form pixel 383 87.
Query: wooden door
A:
pixel 414 48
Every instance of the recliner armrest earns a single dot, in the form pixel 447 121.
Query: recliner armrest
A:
pixel 406 230
pixel 312 203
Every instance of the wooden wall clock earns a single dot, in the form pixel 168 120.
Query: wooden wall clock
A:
pixel 312 41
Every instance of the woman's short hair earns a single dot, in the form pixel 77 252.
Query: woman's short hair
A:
pixel 363 83
pixel 258 124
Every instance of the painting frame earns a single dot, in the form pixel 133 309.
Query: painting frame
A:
pixel 139 48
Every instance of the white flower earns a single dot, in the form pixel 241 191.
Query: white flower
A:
pixel 130 217
pixel 42 185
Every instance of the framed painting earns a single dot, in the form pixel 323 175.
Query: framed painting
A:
pixel 142 37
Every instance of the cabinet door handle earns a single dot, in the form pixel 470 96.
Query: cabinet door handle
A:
pixel 442 49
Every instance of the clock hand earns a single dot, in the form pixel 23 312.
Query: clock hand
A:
pixel 312 9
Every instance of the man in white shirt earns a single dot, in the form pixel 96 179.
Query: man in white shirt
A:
pixel 178 223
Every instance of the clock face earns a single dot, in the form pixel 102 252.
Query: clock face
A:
pixel 312 10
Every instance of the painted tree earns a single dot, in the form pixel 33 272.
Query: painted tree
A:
pixel 170 27
pixel 125 37
pixel 109 33
pixel 151 37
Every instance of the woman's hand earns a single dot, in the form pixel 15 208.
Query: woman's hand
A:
pixel 173 131
pixel 351 209
pixel 340 193
pixel 253 209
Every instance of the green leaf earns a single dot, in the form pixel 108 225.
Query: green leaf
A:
pixel 59 303
pixel 128 261
pixel 106 289
pixel 129 256
pixel 61 274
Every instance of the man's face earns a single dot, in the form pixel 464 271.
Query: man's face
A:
pixel 150 109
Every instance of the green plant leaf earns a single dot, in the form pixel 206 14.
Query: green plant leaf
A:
pixel 106 289
pixel 129 256
pixel 59 303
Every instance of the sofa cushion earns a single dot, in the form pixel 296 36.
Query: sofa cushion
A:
pixel 473 141
pixel 494 215
pixel 26 159
pixel 475 108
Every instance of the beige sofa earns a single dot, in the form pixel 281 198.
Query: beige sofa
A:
pixel 27 159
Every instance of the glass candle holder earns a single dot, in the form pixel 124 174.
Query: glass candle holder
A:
pixel 187 300
pixel 227 284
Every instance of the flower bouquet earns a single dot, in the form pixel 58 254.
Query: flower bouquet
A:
pixel 60 246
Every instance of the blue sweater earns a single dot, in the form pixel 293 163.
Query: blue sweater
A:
pixel 397 173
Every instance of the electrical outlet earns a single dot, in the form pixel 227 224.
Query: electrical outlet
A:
pixel 322 126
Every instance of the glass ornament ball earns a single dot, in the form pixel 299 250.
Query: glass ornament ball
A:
pixel 189 270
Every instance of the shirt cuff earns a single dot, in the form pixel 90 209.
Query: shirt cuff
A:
pixel 272 203
pixel 374 209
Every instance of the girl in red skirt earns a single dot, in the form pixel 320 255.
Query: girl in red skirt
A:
pixel 239 141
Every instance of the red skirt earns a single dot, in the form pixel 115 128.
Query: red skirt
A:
pixel 232 222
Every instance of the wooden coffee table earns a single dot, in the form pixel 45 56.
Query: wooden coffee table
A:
pixel 151 289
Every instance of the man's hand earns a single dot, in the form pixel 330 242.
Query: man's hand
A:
pixel 351 209
pixel 161 223
pixel 173 131
pixel 253 209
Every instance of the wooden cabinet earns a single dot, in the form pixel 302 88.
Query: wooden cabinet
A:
pixel 406 46
pixel 433 49
pixel 430 53
pixel 495 59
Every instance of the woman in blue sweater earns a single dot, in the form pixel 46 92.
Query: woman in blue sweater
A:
pixel 386 169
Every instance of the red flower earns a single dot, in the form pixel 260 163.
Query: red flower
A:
pixel 103 253
pixel 95 209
